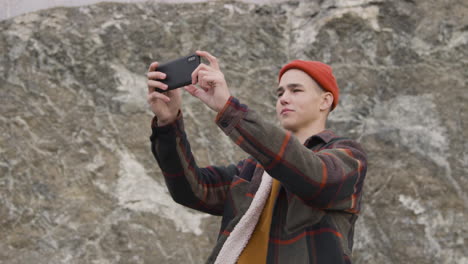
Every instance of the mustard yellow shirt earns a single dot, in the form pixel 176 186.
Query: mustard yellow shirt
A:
pixel 257 247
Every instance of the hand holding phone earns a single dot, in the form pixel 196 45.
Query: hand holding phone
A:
pixel 213 91
pixel 186 71
pixel 178 72
pixel 167 105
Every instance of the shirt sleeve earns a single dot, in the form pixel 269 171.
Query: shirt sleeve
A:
pixel 202 189
pixel 329 179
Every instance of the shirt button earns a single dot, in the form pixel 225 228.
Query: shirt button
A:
pixel 224 123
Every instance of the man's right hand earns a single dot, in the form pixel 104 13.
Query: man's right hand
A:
pixel 165 106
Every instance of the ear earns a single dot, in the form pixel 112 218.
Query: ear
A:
pixel 327 101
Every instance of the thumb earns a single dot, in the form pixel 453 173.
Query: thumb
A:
pixel 199 93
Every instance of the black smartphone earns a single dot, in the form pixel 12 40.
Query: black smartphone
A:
pixel 178 72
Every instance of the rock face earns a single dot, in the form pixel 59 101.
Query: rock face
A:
pixel 78 183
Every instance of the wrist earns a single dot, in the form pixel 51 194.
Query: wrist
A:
pixel 164 122
pixel 167 120
pixel 223 103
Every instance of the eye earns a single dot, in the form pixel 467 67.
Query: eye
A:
pixel 279 94
pixel 297 90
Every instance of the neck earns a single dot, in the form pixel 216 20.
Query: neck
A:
pixel 304 133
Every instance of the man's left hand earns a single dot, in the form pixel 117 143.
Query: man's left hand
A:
pixel 213 90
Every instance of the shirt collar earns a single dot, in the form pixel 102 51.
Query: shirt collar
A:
pixel 325 136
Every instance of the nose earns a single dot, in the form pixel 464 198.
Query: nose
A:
pixel 284 99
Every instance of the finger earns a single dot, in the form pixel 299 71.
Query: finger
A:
pixel 152 85
pixel 153 66
pixel 212 59
pixel 195 73
pixel 203 72
pixel 203 83
pixel 208 82
pixel 196 92
pixel 153 97
pixel 155 75
pixel 191 89
pixel 201 75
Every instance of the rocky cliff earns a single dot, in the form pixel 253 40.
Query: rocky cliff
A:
pixel 78 183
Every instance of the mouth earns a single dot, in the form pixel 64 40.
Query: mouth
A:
pixel 286 110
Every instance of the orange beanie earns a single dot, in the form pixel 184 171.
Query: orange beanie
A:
pixel 320 72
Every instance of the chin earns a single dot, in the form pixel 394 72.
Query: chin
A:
pixel 288 125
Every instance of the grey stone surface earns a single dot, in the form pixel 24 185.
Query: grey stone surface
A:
pixel 78 183
pixel 12 8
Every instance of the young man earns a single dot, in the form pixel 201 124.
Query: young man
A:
pixel 296 198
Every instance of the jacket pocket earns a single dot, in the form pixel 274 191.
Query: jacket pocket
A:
pixel 238 196
pixel 299 216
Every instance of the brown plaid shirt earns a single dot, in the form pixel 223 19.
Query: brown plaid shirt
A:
pixel 317 206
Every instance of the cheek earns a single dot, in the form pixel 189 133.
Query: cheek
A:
pixel 278 107
pixel 306 104
pixel 302 102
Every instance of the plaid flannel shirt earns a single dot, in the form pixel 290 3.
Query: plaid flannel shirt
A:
pixel 317 206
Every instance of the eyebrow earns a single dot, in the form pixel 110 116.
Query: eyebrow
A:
pixel 289 86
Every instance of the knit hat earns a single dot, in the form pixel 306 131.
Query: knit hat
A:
pixel 320 72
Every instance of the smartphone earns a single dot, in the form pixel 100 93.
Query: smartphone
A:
pixel 178 72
